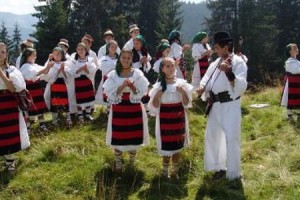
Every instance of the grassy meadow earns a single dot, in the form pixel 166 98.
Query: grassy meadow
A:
pixel 76 163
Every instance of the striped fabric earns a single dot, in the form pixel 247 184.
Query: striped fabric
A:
pixel 39 106
pixel 172 126
pixel 127 123
pixel 293 91
pixel 84 90
pixel 10 141
pixel 203 64
pixel 59 96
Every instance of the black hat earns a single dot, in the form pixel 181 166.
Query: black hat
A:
pixel 222 36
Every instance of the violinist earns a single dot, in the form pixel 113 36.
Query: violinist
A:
pixel 223 84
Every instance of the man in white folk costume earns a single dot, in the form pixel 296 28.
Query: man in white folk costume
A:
pixel 222 85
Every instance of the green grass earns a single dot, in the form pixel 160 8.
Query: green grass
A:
pixel 76 163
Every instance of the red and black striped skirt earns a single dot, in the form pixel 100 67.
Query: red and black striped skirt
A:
pixel 39 106
pixel 10 141
pixel 293 91
pixel 59 96
pixel 172 126
pixel 203 65
pixel 84 90
pixel 127 123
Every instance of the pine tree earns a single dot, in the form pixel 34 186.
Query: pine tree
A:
pixel 4 37
pixel 52 25
pixel 169 18
pixel 16 41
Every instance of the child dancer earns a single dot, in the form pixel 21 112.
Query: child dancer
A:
pixel 141 57
pixel 134 31
pixel 107 36
pixel 127 127
pixel 169 100
pixel 176 53
pixel 290 97
pixel 82 70
pixel 201 53
pixel 107 64
pixel 13 131
pixel 32 74
pixel 58 87
pixel 163 51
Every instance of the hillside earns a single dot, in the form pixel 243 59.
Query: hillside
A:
pixel 193 19
pixel 76 164
pixel 25 23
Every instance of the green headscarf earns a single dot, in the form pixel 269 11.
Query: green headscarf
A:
pixel 199 37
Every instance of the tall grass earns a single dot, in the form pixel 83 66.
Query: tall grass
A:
pixel 76 163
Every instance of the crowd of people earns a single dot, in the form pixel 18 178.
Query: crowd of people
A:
pixel 73 90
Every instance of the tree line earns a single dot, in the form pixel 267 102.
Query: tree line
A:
pixel 13 42
pixel 72 19
pixel 262 29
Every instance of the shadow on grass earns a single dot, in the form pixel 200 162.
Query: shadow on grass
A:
pixel 5 177
pixel 162 188
pixel 112 186
pixel 221 189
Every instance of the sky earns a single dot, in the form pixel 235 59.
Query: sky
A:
pixel 27 6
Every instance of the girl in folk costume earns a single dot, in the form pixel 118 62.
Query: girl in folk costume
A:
pixel 169 100
pixel 82 71
pixel 13 131
pixel 176 53
pixel 64 44
pixel 127 127
pixel 107 64
pixel 33 74
pixel 291 92
pixel 201 53
pixel 58 87
pixel 88 41
pixel 141 57
pixel 107 36
pixel 134 31
pixel 163 51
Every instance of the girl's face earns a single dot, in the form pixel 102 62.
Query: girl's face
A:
pixel 3 53
pixel 81 51
pixel 166 52
pixel 137 45
pixel 294 50
pixel 205 40
pixel 126 60
pixel 112 49
pixel 135 33
pixel 32 57
pixel 169 69
pixel 57 55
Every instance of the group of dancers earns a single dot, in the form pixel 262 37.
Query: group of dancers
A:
pixel 127 94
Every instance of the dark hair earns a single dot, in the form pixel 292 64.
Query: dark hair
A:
pixel 144 51
pixel 63 56
pixel 161 75
pixel 109 44
pixel 226 43
pixel 160 49
pixel 119 65
pixel 6 48
pixel 86 50
pixel 26 53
